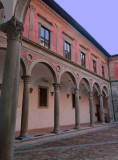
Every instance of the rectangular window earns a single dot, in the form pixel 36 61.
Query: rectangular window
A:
pixel 73 100
pixel 67 50
pixel 103 71
pixel 94 66
pixel 83 60
pixel 43 97
pixel 45 37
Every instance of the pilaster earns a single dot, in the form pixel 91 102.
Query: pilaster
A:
pixel 31 25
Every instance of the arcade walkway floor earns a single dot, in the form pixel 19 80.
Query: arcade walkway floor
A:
pixel 97 143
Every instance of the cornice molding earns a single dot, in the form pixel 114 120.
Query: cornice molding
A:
pixel 84 47
pixel 45 19
pixel 68 36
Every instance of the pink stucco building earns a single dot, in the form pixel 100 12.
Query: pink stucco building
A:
pixel 66 76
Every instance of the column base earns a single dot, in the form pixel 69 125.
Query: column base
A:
pixel 22 137
pixel 103 123
pixel 77 127
pixel 92 125
pixel 111 121
pixel 56 131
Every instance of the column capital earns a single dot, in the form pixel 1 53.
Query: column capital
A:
pixel 13 28
pixel 76 90
pixel 100 95
pixel 108 97
pixel 26 79
pixel 56 86
pixel 90 94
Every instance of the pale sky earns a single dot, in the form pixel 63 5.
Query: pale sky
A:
pixel 98 17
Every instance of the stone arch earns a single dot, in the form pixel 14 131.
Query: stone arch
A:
pixel 68 101
pixel 87 83
pixel 23 66
pixel 97 86
pixel 84 99
pixel 21 9
pixel 105 90
pixel 105 96
pixel 45 63
pixel 96 101
pixel 70 74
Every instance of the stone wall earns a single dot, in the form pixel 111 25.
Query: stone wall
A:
pixel 113 69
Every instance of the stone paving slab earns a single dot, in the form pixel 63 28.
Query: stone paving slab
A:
pixel 72 133
pixel 97 144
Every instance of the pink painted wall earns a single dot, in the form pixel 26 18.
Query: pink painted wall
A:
pixel 35 27
pixel 54 38
pixel 26 25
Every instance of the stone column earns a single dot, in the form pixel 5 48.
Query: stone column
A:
pixel 77 110
pixel 110 109
pixel 91 109
pixel 25 108
pixel 101 109
pixel 10 85
pixel 56 107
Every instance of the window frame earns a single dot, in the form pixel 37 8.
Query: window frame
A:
pixel 66 52
pixel 94 67
pixel 103 73
pixel 39 106
pixel 44 38
pixel 81 55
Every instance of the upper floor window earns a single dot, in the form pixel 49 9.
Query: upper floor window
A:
pixel 45 37
pixel 67 50
pixel 83 59
pixel 94 66
pixel 103 74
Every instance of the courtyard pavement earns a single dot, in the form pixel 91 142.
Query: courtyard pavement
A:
pixel 97 143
